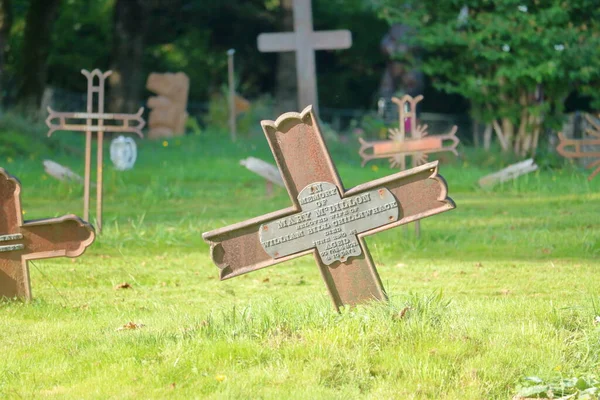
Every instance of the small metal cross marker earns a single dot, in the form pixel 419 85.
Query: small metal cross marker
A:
pixel 326 220
pixel 89 122
pixel 414 143
pixel 21 241
pixel 571 148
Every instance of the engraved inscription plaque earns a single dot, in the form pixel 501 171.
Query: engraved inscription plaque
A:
pixel 328 222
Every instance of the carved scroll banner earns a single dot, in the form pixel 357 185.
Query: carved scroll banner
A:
pixel 326 220
pixel 23 241
pixel 573 148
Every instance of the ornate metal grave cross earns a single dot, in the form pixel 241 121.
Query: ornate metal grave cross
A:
pixel 89 122
pixel 21 241
pixel 326 220
pixel 304 41
pixel 417 145
pixel 578 152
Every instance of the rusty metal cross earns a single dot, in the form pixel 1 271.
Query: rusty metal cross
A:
pixel 94 122
pixel 404 142
pixel 325 219
pixel 573 148
pixel 21 241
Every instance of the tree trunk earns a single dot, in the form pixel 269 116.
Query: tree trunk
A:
pixel 487 136
pixel 5 25
pixel 36 46
pixel 129 33
pixel 286 85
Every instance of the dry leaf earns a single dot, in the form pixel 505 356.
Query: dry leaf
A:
pixel 505 292
pixel 123 285
pixel 130 326
pixel 266 280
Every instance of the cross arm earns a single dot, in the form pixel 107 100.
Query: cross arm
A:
pixel 57 237
pixel 236 249
pixel 420 192
pixel 77 121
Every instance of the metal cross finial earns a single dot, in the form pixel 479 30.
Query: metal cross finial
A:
pixel 89 122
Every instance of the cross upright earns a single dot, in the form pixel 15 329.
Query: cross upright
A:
pixel 326 220
pixel 89 122
pixel 21 241
pixel 304 41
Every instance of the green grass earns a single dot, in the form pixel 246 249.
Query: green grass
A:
pixel 504 287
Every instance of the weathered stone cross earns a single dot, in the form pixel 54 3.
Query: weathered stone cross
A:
pixel 304 41
pixel 326 220
pixel 32 240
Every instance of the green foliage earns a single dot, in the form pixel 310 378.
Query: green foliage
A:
pixel 576 388
pixel 506 51
pixel 21 137
pixel 248 122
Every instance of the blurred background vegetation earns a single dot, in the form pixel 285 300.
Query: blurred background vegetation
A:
pixel 516 66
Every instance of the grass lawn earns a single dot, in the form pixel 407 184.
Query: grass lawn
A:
pixel 504 287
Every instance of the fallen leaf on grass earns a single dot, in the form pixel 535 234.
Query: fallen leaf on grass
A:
pixel 173 385
pixel 266 280
pixel 220 378
pixel 505 292
pixel 479 265
pixel 546 251
pixel 597 320
pixel 123 285
pixel 130 326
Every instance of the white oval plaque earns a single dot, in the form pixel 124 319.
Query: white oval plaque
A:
pixel 123 153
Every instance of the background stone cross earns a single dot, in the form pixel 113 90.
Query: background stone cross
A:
pixel 304 41
pixel 304 161
pixel 21 242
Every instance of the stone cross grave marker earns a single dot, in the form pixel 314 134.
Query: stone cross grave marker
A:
pixel 572 148
pixel 21 241
pixel 89 122
pixel 326 220
pixel 304 41
pixel 409 139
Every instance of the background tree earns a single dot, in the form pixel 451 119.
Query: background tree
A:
pixel 5 26
pixel 516 61
pixel 32 71
pixel 130 26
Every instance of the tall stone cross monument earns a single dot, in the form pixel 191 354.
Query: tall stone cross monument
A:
pixel 304 41
pixel 326 220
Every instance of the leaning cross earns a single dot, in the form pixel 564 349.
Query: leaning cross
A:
pixel 572 148
pixel 417 144
pixel 326 220
pixel 304 41
pixel 21 241
pixel 89 122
